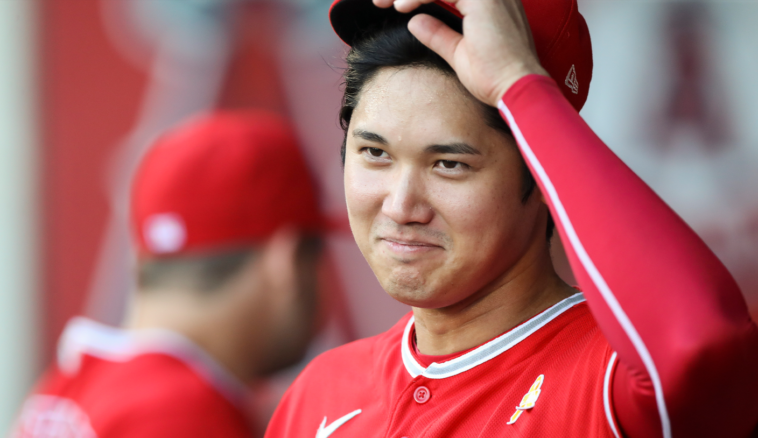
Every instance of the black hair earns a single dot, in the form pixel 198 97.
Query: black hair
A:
pixel 197 272
pixel 392 45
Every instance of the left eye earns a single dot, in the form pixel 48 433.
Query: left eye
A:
pixel 447 164
pixel 376 152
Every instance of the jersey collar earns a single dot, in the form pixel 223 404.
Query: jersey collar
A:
pixel 486 351
pixel 83 336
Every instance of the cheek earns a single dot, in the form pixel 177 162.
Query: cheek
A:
pixel 364 194
pixel 484 216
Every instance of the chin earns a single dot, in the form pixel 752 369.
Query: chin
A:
pixel 413 284
pixel 414 292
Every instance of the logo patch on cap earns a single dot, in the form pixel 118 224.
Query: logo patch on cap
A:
pixel 571 81
pixel 164 233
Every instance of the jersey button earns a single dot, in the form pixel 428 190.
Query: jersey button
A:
pixel 422 395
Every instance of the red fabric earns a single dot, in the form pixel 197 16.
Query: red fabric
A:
pixel 682 302
pixel 152 395
pixel 229 178
pixel 560 34
pixel 369 375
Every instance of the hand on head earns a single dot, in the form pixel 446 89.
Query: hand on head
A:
pixel 495 50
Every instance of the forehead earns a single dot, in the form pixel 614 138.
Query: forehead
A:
pixel 421 100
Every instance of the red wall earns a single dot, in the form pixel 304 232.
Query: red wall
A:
pixel 89 100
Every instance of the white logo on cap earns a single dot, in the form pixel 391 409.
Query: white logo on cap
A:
pixel 571 80
pixel 164 233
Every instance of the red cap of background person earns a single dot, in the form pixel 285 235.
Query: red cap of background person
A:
pixel 560 35
pixel 226 179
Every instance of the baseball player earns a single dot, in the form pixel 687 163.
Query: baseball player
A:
pixel 655 341
pixel 226 224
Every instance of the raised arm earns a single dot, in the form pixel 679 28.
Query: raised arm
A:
pixel 687 349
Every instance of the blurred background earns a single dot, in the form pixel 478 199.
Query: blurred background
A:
pixel 86 84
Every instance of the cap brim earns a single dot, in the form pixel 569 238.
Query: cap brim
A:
pixel 352 19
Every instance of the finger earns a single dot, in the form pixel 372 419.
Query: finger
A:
pixel 436 35
pixel 409 5
pixel 384 3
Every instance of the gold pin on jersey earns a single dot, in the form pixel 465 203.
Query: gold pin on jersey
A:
pixel 529 399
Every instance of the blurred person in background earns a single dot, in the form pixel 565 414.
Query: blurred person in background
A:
pixel 227 228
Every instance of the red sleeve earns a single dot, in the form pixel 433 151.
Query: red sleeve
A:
pixel 687 348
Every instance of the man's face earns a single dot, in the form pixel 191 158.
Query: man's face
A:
pixel 433 193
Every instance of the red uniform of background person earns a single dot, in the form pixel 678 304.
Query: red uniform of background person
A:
pixel 227 226
pixel 497 345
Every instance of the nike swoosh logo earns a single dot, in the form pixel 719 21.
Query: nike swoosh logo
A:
pixel 324 432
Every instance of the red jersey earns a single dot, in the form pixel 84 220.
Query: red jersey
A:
pixel 663 347
pixel 515 385
pixel 110 383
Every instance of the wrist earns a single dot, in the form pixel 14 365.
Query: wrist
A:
pixel 513 75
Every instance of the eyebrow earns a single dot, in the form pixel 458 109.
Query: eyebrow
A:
pixel 370 136
pixel 452 148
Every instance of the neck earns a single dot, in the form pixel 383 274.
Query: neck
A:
pixel 525 290
pixel 207 321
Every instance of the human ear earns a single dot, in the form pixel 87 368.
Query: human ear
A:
pixel 542 196
pixel 279 260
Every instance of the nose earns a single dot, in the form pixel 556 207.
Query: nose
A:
pixel 405 203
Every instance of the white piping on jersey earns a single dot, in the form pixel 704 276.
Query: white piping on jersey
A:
pixel 84 336
pixel 487 351
pixel 607 395
pixel 592 271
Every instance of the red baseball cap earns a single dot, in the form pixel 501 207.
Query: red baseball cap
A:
pixel 224 179
pixel 560 35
